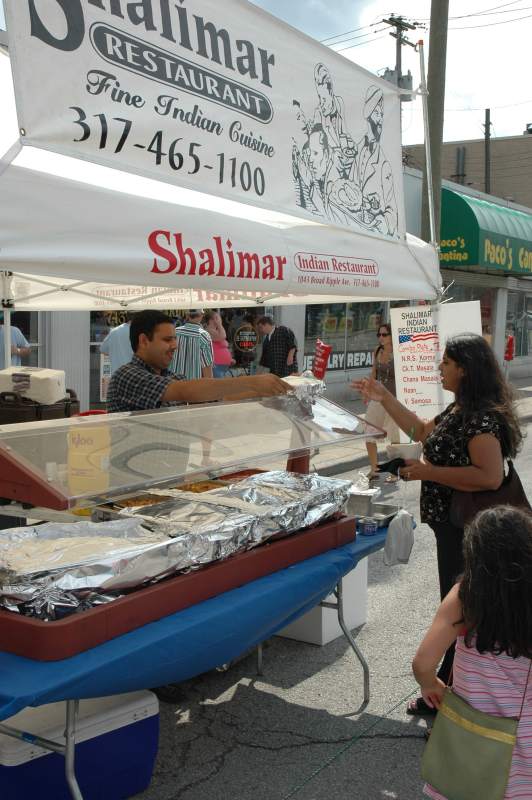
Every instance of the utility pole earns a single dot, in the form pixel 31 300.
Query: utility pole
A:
pixel 487 159
pixel 439 15
pixel 400 25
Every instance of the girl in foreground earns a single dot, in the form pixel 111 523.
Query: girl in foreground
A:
pixel 489 616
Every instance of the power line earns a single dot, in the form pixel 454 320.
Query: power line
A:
pixel 491 24
pixel 493 13
pixel 362 44
pixel 345 33
pixel 491 10
pixel 352 38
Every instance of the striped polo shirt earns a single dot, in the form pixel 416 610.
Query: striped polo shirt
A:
pixel 193 351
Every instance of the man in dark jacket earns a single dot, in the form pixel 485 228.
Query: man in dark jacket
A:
pixel 279 348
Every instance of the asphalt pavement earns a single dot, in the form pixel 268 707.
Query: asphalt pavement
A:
pixel 297 731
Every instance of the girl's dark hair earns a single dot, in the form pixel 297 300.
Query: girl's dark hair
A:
pixel 483 387
pixel 496 587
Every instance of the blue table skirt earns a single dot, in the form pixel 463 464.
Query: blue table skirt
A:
pixel 186 643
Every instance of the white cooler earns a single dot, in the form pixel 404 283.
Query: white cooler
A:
pixel 45 386
pixel 116 745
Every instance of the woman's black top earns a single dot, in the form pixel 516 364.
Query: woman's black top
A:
pixel 446 446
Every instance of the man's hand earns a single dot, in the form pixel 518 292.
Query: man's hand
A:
pixel 266 385
pixel 205 390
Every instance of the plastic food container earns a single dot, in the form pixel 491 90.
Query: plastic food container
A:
pixel 368 526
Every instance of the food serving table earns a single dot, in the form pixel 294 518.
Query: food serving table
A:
pixel 181 645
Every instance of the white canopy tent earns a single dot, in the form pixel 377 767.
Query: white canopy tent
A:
pixel 79 235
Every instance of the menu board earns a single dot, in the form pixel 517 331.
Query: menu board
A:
pixel 419 337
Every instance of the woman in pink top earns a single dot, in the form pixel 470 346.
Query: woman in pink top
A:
pixel 489 615
pixel 223 359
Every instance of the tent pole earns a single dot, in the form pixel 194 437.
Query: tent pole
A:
pixel 430 186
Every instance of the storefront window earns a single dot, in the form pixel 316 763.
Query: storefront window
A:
pixel 101 323
pixel 349 328
pixel 519 322
pixel 28 323
pixel 486 297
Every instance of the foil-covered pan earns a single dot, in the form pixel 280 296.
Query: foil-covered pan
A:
pixel 299 500
pixel 215 531
pixel 46 563
pixel 305 386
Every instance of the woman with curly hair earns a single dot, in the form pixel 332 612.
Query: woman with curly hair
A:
pixel 464 448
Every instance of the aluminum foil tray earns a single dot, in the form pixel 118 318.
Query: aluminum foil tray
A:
pixel 299 500
pixel 214 531
pixel 51 570
pixel 49 641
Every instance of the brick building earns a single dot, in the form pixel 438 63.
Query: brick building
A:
pixel 463 163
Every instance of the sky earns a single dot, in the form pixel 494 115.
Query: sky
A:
pixel 487 67
pixel 487 63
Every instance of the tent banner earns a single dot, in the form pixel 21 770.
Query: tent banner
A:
pixel 219 97
pixel 103 236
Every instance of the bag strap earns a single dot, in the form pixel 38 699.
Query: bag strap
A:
pixel 525 691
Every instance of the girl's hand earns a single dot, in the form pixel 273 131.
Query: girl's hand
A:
pixel 370 389
pixel 415 470
pixel 433 694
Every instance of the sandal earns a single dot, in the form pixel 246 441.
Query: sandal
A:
pixel 391 478
pixel 419 708
pixel 372 475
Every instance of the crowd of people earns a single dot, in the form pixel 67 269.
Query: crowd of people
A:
pixel 207 346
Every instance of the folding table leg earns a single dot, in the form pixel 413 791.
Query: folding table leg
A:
pixel 67 750
pixel 70 748
pixel 339 607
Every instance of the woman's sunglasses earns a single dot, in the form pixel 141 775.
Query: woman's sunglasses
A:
pixel 380 335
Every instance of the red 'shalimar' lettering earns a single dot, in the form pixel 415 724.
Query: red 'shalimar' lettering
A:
pixel 221 260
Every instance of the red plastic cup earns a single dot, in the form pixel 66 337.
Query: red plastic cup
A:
pixel 321 359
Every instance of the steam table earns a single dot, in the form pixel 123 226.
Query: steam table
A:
pixel 181 645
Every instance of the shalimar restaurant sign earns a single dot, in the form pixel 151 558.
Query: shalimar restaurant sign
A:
pixel 214 95
pixel 474 234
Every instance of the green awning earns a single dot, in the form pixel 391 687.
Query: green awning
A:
pixel 478 233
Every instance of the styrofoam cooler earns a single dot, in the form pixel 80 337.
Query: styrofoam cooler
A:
pixel 116 745
pixel 320 625
pixel 37 383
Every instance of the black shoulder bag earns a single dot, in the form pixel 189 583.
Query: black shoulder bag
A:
pixel 465 505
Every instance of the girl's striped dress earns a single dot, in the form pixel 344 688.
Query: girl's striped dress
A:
pixel 496 684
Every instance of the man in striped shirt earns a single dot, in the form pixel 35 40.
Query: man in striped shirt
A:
pixel 193 357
